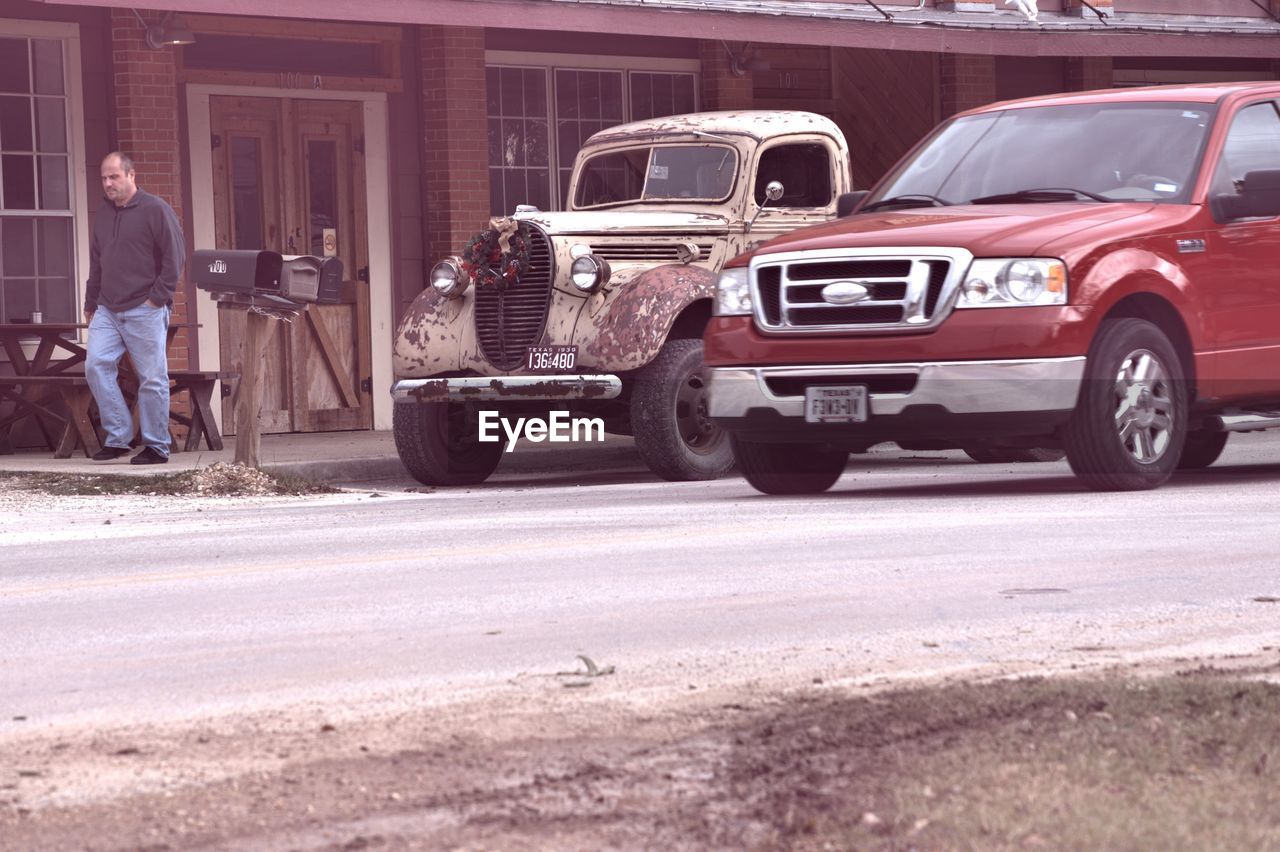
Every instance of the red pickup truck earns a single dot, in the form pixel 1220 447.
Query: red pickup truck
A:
pixel 1094 273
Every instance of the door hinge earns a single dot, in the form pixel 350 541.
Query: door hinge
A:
pixel 215 141
pixel 366 385
pixel 362 274
pixel 358 145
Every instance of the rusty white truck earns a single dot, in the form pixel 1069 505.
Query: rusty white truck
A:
pixel 598 310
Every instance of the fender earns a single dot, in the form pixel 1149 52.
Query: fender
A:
pixel 1116 275
pixel 429 336
pixel 628 329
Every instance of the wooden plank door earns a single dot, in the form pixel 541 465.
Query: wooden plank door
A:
pixel 289 177
pixel 330 343
pixel 248 203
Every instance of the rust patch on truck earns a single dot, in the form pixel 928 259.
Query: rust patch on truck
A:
pixel 635 324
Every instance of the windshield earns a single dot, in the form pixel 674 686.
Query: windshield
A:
pixel 1118 151
pixel 657 173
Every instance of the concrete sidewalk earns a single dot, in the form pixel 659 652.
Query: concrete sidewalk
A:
pixel 339 457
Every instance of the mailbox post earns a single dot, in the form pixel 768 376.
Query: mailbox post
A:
pixel 269 288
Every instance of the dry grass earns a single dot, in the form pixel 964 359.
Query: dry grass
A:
pixel 1185 762
pixel 217 480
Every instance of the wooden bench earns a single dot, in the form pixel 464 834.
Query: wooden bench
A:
pixel 77 426
pixel 199 387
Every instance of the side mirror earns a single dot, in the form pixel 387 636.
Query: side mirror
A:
pixel 773 190
pixel 1258 198
pixel 849 201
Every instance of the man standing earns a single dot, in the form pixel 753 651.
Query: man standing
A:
pixel 135 260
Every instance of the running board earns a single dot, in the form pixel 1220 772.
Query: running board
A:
pixel 1243 421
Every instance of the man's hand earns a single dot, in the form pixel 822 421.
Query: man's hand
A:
pixel 88 313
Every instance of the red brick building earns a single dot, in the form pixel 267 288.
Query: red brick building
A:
pixel 396 134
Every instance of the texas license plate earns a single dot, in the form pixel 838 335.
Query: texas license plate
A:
pixel 839 404
pixel 551 359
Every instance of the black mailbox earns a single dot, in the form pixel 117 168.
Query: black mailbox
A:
pixel 228 271
pixel 305 278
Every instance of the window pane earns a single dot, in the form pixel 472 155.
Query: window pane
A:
pixel 54 194
pixel 493 101
pixel 19 298
pixel 322 185
pixel 55 246
pixel 15 123
pixel 685 100
pixel 47 54
pixel 511 86
pixel 246 190
pixel 641 96
pixel 655 95
pixel 15 73
pixel 56 299
pixel 540 189
pixel 512 143
pixel 566 94
pixel 18 172
pixel 514 188
pixel 537 152
pixel 495 141
pixel 535 91
pixel 611 98
pixel 17 247
pixel 497 198
pixel 51 125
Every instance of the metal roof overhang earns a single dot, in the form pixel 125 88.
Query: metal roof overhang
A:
pixel 852 24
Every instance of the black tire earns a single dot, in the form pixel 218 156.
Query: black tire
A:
pixel 1202 449
pixel 789 468
pixel 673 432
pixel 1128 428
pixel 1003 455
pixel 439 444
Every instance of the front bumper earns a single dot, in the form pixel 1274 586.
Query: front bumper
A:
pixel 498 388
pixel 925 399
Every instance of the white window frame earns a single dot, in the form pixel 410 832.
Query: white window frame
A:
pixel 77 169
pixel 550 63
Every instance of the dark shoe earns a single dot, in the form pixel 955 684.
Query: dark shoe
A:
pixel 109 453
pixel 149 456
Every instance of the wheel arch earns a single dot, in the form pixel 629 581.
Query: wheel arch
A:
pixel 1163 315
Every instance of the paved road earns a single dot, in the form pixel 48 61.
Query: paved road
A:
pixel 914 562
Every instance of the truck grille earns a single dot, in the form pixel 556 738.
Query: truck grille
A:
pixel 508 321
pixel 898 292
pixel 643 252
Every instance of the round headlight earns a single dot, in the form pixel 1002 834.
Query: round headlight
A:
pixel 589 272
pixel 1023 281
pixel 447 277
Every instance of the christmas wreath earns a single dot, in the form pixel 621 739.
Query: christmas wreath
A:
pixel 497 256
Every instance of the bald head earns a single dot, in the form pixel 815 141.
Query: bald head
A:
pixel 118 181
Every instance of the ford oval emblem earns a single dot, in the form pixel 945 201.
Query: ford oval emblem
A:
pixel 845 293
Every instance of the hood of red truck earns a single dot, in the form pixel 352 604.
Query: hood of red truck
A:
pixel 986 230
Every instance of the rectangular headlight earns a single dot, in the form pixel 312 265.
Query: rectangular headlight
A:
pixel 1014 282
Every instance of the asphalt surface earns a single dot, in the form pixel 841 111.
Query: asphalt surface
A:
pixel 136 609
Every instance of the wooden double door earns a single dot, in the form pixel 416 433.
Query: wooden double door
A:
pixel 288 176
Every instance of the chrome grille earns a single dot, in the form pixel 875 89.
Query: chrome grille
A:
pixel 909 291
pixel 508 321
pixel 644 252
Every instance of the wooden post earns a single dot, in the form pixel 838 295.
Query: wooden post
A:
pixel 258 329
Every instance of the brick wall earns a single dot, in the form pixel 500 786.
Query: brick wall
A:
pixel 721 89
pixel 455 147
pixel 146 125
pixel 965 81
pixel 1090 72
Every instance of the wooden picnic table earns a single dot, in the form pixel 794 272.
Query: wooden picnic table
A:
pixel 40 379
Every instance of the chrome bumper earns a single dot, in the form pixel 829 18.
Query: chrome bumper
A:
pixel 960 387
pixel 493 388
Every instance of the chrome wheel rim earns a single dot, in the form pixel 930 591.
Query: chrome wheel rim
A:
pixel 1144 406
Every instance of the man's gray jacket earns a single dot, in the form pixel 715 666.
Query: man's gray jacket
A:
pixel 136 253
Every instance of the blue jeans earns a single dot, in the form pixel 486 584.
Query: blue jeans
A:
pixel 142 332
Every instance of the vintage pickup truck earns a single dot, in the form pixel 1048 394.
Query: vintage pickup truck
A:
pixel 598 310
pixel 1092 272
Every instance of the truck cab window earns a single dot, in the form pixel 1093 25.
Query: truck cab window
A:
pixel 1252 144
pixel 804 171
